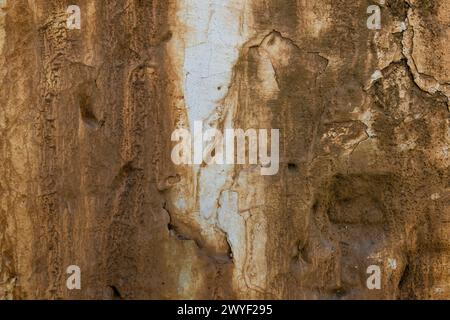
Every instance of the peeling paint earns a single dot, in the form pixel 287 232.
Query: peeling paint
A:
pixel 214 36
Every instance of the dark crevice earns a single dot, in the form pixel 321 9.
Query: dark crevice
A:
pixel 86 111
pixel 404 278
pixel 90 120
pixel 178 235
pixel 340 292
pixel 116 293
pixel 173 230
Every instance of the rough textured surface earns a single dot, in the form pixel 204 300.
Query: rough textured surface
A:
pixel 86 176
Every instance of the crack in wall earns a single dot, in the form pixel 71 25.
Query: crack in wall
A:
pixel 430 84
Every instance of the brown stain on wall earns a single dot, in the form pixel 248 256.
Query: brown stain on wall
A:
pixel 87 179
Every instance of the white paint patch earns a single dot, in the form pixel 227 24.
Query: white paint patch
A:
pixel 376 75
pixel 408 145
pixel 392 263
pixel 180 203
pixel 435 196
pixel 248 245
pixel 212 45
pixel 233 224
pixel 184 280
pixel 438 290
pixel 215 33
pixel 367 118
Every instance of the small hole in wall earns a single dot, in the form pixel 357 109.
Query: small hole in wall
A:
pixel 116 293
pixel 340 292
pixel 167 36
pixel 292 167
pixel 315 206
pixel 87 114
pixel 174 232
pixel 219 88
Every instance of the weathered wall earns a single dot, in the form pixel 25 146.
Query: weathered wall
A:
pixel 86 176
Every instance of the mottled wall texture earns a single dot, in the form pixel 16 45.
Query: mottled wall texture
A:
pixel 87 176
